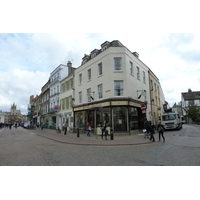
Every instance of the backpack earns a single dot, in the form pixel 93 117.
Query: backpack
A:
pixel 160 129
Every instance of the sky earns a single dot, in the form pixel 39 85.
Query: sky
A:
pixel 34 40
pixel 36 36
pixel 27 59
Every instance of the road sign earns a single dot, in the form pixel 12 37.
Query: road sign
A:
pixel 143 107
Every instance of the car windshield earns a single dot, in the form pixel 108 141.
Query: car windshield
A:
pixel 168 117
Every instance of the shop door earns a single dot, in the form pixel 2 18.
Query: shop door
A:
pixel 91 118
pixel 120 118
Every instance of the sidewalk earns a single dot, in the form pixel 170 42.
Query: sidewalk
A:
pixel 83 139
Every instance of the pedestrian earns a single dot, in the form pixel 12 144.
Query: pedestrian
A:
pixel 88 128
pixel 104 131
pixel 160 130
pixel 152 132
pixel 146 131
pixel 65 128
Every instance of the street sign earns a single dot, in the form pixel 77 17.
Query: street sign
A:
pixel 143 107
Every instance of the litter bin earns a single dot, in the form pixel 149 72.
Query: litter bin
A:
pixel 111 134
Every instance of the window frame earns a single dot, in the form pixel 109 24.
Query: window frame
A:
pixel 117 64
pixel 89 74
pixel 120 90
pixel 100 91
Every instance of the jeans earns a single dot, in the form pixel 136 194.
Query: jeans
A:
pixel 88 133
pixel 152 137
pixel 161 134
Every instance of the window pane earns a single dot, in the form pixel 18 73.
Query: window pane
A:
pixel 100 69
pixel 118 63
pixel 118 88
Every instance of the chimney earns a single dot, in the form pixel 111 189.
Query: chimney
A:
pixel 69 65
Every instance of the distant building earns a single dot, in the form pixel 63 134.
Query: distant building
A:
pixel 190 98
pixel 14 115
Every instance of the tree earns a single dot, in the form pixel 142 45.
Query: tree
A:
pixel 193 112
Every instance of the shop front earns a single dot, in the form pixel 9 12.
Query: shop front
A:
pixel 122 115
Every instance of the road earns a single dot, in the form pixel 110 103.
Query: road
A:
pixel 21 147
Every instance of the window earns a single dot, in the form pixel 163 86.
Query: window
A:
pixel 89 74
pixel 118 88
pixel 118 64
pixel 138 73
pixel 89 94
pixel 158 89
pixel 100 69
pixel 100 91
pixel 151 85
pixel 144 77
pixel 155 86
pixel 80 97
pixel 131 68
pixel 80 79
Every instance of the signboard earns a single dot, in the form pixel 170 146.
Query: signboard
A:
pixel 56 108
pixel 143 107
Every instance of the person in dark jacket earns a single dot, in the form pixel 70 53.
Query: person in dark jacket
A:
pixel 151 130
pixel 104 126
pixel 160 130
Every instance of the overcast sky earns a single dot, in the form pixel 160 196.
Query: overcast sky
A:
pixel 26 60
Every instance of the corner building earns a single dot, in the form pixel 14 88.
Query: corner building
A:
pixel 108 84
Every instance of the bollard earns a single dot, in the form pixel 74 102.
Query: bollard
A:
pixel 111 134
pixel 77 132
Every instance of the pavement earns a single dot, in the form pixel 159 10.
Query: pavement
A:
pixel 94 140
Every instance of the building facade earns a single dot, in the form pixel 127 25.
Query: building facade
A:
pixel 156 99
pixel 111 85
pixel 189 98
pixel 67 92
pixel 44 108
pixel 54 99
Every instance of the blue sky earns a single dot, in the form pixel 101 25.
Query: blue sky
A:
pixel 35 39
pixel 26 60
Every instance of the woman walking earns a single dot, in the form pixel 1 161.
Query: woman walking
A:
pixel 160 130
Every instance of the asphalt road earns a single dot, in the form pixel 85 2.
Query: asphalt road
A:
pixel 21 147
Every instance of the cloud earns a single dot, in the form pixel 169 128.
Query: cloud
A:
pixel 18 85
pixel 185 45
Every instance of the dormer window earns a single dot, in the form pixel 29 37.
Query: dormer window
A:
pixel 105 45
pixel 94 53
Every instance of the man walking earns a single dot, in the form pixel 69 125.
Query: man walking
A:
pixel 151 130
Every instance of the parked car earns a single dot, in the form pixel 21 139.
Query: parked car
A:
pixel 26 125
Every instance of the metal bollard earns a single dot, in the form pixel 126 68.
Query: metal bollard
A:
pixel 77 132
pixel 111 134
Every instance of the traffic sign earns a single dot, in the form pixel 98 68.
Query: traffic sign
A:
pixel 143 107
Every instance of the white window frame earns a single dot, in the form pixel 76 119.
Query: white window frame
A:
pixel 138 73
pixel 89 74
pixel 80 79
pixel 118 63
pixel 89 94
pixel 131 68
pixel 100 69
pixel 119 88
pixel 80 97
pixel 144 77
pixel 100 91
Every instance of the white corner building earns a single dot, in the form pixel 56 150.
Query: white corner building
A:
pixel 112 84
